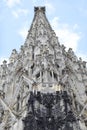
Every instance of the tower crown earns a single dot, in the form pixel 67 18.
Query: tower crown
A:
pixel 39 8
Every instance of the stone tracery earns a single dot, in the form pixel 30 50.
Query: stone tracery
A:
pixel 45 77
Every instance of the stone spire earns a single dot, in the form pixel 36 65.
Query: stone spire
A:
pixel 43 86
pixel 43 43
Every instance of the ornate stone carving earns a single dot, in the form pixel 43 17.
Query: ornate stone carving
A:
pixel 40 81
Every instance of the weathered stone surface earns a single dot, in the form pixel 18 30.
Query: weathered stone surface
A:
pixel 42 65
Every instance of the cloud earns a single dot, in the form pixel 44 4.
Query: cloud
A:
pixel 11 3
pixel 50 8
pixel 19 12
pixel 66 34
pixel 23 32
pixel 34 1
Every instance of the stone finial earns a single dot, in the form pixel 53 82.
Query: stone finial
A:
pixel 39 9
pixel 4 62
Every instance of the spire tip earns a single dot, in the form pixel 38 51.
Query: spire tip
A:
pixel 39 8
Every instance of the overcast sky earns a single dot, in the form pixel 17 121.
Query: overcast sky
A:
pixel 67 17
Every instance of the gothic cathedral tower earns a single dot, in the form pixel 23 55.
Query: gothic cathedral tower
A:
pixel 44 87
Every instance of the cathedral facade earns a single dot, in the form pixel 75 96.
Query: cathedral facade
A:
pixel 43 87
